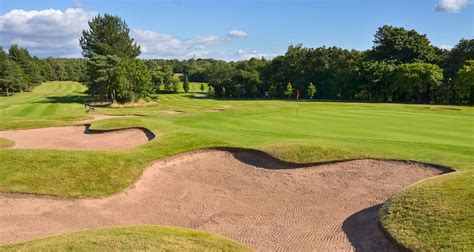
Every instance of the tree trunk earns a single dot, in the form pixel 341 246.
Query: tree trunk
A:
pixel 428 88
pixel 113 96
pixel 8 92
pixel 472 95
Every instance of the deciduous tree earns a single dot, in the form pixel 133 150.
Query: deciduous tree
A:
pixel 311 90
pixel 288 91
pixel 186 84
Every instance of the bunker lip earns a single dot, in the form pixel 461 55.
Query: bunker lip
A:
pixel 269 161
pixel 226 191
pixel 99 117
pixel 78 138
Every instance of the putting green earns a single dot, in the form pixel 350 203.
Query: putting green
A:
pixel 300 132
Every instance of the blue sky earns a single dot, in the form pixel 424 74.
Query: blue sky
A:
pixel 232 30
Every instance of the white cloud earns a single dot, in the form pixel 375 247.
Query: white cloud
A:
pixel 236 34
pixel 451 5
pixel 245 55
pixel 46 32
pixel 56 33
pixel 209 39
pixel 160 45
pixel 446 47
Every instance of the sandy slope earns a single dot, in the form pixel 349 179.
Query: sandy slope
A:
pixel 248 197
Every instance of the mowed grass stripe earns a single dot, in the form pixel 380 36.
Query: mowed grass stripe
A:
pixel 50 109
pixel 393 125
pixel 27 111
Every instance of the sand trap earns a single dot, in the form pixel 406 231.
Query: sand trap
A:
pixel 218 109
pixel 77 138
pixel 325 207
pixel 172 112
pixel 98 117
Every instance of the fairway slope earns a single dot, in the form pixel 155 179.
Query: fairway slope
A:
pixel 77 138
pixel 252 198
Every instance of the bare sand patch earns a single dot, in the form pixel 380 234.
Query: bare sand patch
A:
pixel 98 117
pixel 259 201
pixel 218 109
pixel 77 138
pixel 172 112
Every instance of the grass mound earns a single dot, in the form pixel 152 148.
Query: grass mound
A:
pixel 138 238
pixel 434 215
pixel 307 154
pixel 4 143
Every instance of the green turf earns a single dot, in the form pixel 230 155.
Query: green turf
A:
pixel 301 132
pixel 4 143
pixel 140 238
pixel 436 215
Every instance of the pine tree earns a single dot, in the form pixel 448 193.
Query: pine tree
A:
pixel 108 35
pixel 113 71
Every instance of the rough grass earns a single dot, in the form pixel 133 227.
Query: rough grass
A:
pixel 140 238
pixel 319 131
pixel 4 143
pixel 436 215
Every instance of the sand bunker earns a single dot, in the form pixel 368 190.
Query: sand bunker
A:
pixel 172 112
pixel 325 207
pixel 77 138
pixel 218 109
pixel 98 117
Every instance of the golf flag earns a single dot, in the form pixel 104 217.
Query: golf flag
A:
pixel 297 94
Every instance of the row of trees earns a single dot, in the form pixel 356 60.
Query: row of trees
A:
pixel 59 69
pixel 18 70
pixel 402 66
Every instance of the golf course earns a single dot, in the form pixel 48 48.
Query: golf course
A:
pixel 434 213
pixel 236 125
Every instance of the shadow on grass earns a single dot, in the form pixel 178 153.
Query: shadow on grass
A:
pixel 81 99
pixel 364 233
pixel 264 160
pixel 318 100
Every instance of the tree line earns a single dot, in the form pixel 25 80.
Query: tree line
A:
pixel 402 66
pixel 19 71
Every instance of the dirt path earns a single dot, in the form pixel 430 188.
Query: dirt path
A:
pixel 325 207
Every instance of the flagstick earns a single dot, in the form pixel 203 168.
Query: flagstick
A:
pixel 297 99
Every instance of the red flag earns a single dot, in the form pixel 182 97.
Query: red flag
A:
pixel 297 94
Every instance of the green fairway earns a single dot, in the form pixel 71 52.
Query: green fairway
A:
pixel 300 132
pixel 141 238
